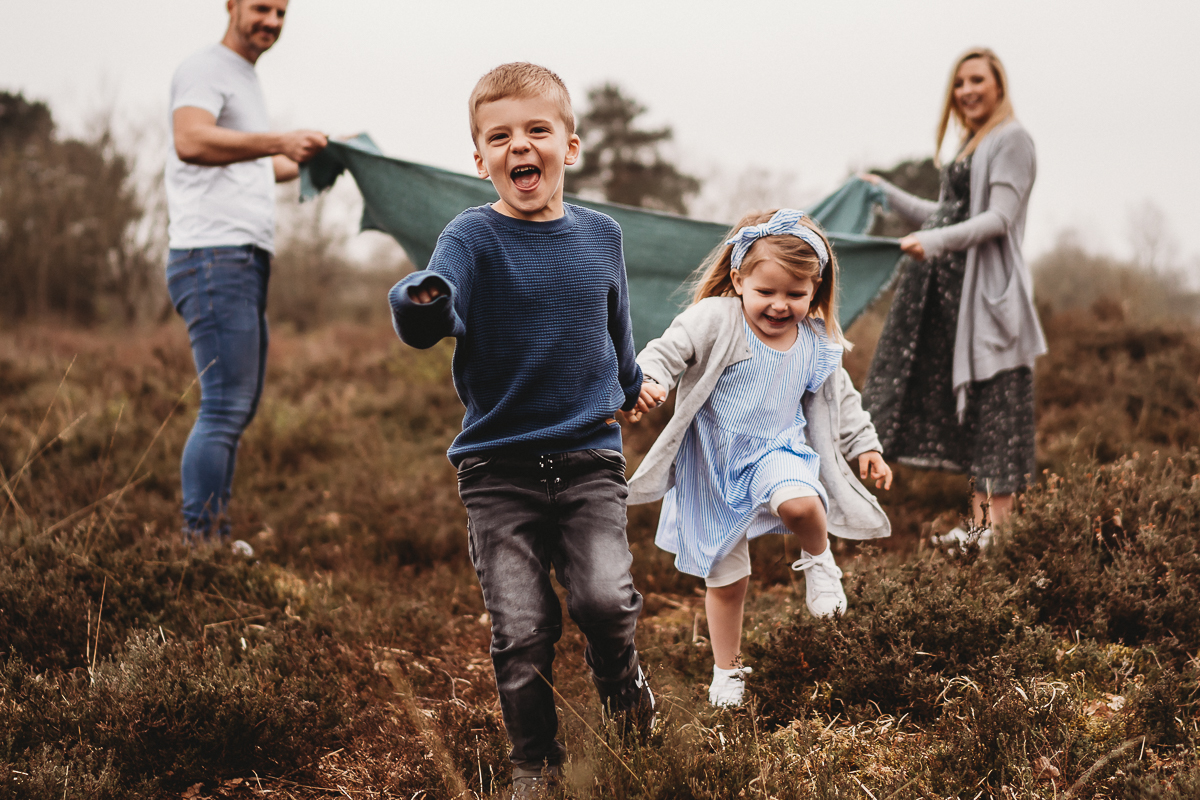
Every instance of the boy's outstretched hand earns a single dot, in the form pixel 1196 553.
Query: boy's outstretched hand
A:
pixel 872 465
pixel 651 397
pixel 427 292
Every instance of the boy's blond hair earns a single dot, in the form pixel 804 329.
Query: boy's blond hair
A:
pixel 520 79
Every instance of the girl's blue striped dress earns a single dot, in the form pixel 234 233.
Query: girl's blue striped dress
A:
pixel 744 443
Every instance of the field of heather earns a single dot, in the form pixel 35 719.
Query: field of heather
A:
pixel 349 656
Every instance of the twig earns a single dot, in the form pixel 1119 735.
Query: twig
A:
pixel 129 482
pixel 1086 777
pixel 762 770
pixel 11 497
pixel 90 506
pixel 103 474
pixel 591 730
pixel 33 442
pixel 297 785
pixel 17 478
pixel 864 788
pixel 901 789
pixel 441 758
pixel 99 615
pixel 231 621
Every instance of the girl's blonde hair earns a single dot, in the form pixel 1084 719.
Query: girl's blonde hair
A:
pixel 714 277
pixel 1002 112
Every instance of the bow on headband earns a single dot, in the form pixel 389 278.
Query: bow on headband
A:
pixel 785 222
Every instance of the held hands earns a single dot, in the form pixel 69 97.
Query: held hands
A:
pixel 911 245
pixel 300 146
pixel 872 465
pixel 651 397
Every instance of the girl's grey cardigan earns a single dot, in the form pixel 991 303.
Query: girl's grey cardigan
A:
pixel 705 339
pixel 998 327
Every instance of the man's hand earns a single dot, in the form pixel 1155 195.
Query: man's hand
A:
pixel 651 397
pixel 871 465
pixel 199 140
pixel 301 146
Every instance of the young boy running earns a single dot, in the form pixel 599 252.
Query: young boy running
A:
pixel 535 293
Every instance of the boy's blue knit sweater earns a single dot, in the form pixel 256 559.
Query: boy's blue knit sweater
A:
pixel 545 353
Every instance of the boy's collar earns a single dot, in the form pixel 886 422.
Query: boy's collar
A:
pixel 541 226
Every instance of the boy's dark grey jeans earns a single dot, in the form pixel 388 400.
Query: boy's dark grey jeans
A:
pixel 526 513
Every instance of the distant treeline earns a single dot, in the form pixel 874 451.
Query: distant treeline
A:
pixel 83 235
pixel 68 213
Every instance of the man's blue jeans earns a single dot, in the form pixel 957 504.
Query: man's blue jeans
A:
pixel 527 514
pixel 221 293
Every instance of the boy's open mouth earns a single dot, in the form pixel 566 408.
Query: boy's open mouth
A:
pixel 525 176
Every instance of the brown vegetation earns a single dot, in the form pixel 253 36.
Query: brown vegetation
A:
pixel 351 654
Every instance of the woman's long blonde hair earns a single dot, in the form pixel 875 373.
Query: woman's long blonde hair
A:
pixel 1002 112
pixel 713 278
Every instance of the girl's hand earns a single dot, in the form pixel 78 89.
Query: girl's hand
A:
pixel 871 465
pixel 869 177
pixel 911 245
pixel 651 397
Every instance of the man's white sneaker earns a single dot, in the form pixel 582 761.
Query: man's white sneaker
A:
pixel 822 583
pixel 728 686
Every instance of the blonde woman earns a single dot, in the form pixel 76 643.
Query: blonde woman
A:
pixel 951 383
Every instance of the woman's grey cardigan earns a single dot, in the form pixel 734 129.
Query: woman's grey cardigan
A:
pixel 704 340
pixel 998 327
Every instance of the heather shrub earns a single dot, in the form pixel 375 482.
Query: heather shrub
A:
pixel 913 628
pixel 351 655
pixel 1111 550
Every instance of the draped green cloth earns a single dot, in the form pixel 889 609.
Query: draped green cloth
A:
pixel 414 202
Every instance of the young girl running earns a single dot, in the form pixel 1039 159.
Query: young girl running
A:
pixel 765 420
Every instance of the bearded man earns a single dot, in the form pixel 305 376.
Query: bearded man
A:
pixel 220 178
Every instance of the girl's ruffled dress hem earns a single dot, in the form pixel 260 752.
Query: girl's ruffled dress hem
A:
pixel 746 442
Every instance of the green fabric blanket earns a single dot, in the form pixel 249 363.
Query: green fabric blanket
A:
pixel 413 203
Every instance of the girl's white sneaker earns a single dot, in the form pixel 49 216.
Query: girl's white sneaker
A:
pixel 957 538
pixel 822 583
pixel 728 686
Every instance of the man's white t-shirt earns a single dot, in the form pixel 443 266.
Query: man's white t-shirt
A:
pixel 220 206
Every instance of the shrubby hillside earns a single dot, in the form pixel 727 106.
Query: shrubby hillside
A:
pixel 351 653
pixel 349 656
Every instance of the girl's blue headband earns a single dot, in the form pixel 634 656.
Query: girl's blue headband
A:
pixel 785 222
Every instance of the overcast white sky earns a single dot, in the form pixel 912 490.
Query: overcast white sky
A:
pixel 1109 90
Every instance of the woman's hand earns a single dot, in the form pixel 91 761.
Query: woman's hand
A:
pixel 651 397
pixel 910 245
pixel 869 177
pixel 871 465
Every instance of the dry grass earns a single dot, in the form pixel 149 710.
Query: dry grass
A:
pixel 350 658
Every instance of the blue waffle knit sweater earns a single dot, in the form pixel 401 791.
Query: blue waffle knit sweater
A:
pixel 544 355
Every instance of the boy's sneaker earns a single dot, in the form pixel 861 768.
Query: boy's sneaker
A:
pixel 632 707
pixel 728 686
pixel 532 785
pixel 242 548
pixel 822 583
